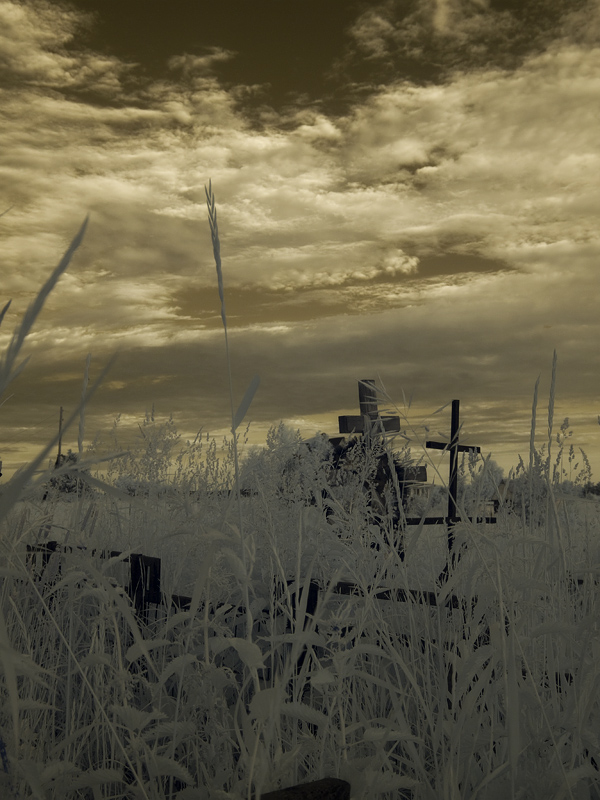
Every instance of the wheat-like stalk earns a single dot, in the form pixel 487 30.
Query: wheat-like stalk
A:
pixel 86 378
pixel 551 411
pixel 236 418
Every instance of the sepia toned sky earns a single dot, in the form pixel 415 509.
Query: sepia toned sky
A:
pixel 407 190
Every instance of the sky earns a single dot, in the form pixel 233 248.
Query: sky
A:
pixel 407 191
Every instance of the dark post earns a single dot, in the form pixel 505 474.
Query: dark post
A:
pixel 453 481
pixel 144 583
pixel 367 399
pixel 60 422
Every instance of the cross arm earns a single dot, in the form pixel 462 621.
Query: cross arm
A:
pixel 356 424
pixel 462 448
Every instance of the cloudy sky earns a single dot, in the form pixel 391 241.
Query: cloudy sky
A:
pixel 407 190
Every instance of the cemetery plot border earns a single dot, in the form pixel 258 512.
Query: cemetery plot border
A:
pixel 144 584
pixel 143 589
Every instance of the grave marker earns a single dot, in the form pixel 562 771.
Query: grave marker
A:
pixel 370 420
pixel 371 423
pixel 454 448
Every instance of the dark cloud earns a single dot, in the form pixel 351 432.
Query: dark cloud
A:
pixel 426 41
pixel 456 263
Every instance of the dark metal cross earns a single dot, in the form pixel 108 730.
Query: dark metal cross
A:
pixel 454 448
pixel 370 421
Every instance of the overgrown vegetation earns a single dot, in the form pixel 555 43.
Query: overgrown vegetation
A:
pixel 495 696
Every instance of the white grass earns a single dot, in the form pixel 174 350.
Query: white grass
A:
pixel 219 703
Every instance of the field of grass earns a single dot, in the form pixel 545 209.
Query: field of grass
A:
pixel 493 695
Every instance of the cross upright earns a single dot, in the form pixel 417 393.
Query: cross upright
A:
pixel 454 448
pixel 369 421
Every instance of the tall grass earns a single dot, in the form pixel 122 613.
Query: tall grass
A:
pixel 495 696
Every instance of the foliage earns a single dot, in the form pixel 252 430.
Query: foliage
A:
pixel 478 483
pixel 591 488
pixel 68 482
pixel 145 465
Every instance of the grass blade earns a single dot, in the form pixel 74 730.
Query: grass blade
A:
pixel 32 313
pixel 245 404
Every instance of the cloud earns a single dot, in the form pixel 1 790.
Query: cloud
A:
pixel 433 39
pixel 515 146
pixel 463 18
pixel 191 65
pixel 36 41
pixel 373 30
pixel 443 11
